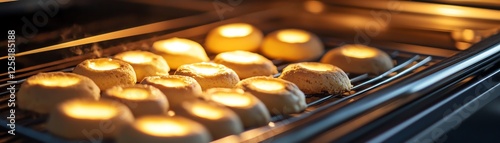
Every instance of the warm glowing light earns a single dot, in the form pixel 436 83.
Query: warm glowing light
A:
pixel 293 36
pixel 268 85
pixel 314 6
pixel 170 82
pixel 468 35
pixel 233 99
pixel 206 111
pixel 240 57
pixel 271 124
pixel 316 66
pixel 353 20
pixel 137 58
pixel 171 113
pixel 133 93
pixel 178 45
pixel 462 45
pixel 104 64
pixel 2 1
pixel 93 111
pixel 161 127
pixel 56 81
pixel 359 52
pixel 235 30
pixel 442 9
pixel 449 11
pixel 205 69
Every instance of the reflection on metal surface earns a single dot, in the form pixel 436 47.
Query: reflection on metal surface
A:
pixel 428 81
pixel 314 6
pixel 171 113
pixel 271 124
pixel 351 100
pixel 467 35
pixel 449 11
pixel 144 29
pixel 463 45
pixel 428 8
pixel 2 1
pixel 487 3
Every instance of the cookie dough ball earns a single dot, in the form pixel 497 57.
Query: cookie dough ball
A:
pixel 106 72
pixel 279 96
pixel 163 129
pixel 210 75
pixel 180 51
pixel 219 120
pixel 43 92
pixel 246 64
pixel 359 59
pixel 140 99
pixel 74 119
pixel 144 63
pixel 234 36
pixel 315 78
pixel 252 111
pixel 177 88
pixel 293 45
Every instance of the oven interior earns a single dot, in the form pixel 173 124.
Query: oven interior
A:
pixel 415 40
